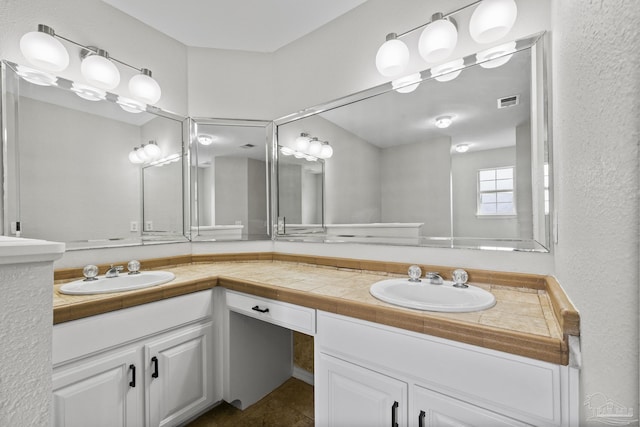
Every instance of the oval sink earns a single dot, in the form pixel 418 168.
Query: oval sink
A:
pixel 121 283
pixel 425 296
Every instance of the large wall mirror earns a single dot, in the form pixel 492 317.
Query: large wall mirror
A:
pixel 229 179
pixel 68 172
pixel 456 158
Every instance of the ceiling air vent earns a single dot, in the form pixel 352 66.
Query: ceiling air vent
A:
pixel 508 101
pixel 247 146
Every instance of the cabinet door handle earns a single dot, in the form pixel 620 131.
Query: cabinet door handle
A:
pixel 261 310
pixel 132 383
pixel 154 361
pixel 394 414
pixel 421 419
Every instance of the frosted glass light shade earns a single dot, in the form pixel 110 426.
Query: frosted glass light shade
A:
pixel 392 57
pixel 44 51
pixel 99 71
pixel 145 88
pixel 449 71
pixel 444 122
pixel 36 77
pixel 496 56
pixel 492 20
pixel 152 151
pixel 142 156
pixel 133 157
pixel 302 142
pixel 131 105
pixel 326 151
pixel 438 40
pixel 88 92
pixel 404 84
pixel 314 147
pixel 205 139
pixel 287 151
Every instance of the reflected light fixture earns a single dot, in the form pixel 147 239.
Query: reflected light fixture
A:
pixel 44 51
pixel 302 142
pixel 36 77
pixel 287 151
pixel 492 20
pixel 407 84
pixel 131 105
pixel 462 148
pixel 444 122
pixel 496 56
pixel 205 139
pixel 146 153
pixel 152 150
pixel 309 148
pixel 392 57
pixel 326 151
pixel 449 71
pixel 314 147
pixel 438 39
pixel 87 92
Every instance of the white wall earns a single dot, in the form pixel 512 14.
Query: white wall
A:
pixel 596 106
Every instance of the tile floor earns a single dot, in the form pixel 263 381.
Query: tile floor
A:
pixel 289 405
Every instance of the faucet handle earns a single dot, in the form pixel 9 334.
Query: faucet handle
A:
pixel 90 272
pixel 460 278
pixel 414 273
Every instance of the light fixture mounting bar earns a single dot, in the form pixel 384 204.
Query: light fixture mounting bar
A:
pixel 443 16
pixel 48 30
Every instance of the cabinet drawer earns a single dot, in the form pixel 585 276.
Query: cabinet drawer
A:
pixel 301 319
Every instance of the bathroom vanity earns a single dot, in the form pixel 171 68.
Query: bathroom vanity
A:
pixel 222 330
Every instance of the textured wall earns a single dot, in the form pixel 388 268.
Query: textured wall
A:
pixel 26 319
pixel 596 100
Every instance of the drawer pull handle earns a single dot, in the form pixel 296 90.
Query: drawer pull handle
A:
pixel 421 419
pixel 394 414
pixel 154 361
pixel 132 383
pixel 260 310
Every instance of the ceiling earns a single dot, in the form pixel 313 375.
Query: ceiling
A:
pixel 248 25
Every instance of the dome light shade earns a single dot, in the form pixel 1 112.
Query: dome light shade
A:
pixel 444 122
pixel 144 87
pixel 406 84
pixel 492 20
pixel 133 157
pixel 99 71
pixel 392 57
pixel 438 39
pixel 302 142
pixel 496 56
pixel 152 151
pixel 315 147
pixel 41 49
pixel 326 151
pixel 449 71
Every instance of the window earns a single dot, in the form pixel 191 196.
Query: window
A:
pixel 496 192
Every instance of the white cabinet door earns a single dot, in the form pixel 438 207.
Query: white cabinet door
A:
pixel 179 369
pixel 350 395
pixel 101 391
pixel 432 409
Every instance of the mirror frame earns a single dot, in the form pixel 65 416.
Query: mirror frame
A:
pixel 268 129
pixel 539 44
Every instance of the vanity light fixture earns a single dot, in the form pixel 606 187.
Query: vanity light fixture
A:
pixel 407 84
pixel 36 77
pixel 444 122
pixel 449 71
pixel 326 151
pixel 43 50
pixel 146 153
pixel 314 147
pixel 302 142
pixel 309 148
pixel 491 20
pixel 131 105
pixel 496 56
pixel 87 92
pixel 462 148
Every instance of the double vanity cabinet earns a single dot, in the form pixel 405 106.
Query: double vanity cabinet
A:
pixel 162 363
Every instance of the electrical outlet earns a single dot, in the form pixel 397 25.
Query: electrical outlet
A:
pixel 148 225
pixel 134 226
pixel 281 225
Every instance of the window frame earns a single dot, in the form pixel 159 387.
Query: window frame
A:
pixel 479 193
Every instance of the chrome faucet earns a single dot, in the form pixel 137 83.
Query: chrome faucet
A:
pixel 433 278
pixel 113 271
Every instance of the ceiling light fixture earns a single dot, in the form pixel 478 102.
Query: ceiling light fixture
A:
pixel 444 122
pixel 205 139
pixel 462 148
pixel 491 20
pixel 44 51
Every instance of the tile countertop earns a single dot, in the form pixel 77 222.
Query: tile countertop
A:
pixel 532 319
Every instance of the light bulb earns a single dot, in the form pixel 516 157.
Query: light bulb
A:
pixel 99 71
pixel 462 148
pixel 392 57
pixel 444 122
pixel 404 84
pixel 131 105
pixel 36 77
pixel 144 87
pixel 205 139
pixel 152 151
pixel 41 49
pixel 448 71
pixel 496 56
pixel 314 147
pixel 326 151
pixel 87 92
pixel 492 20
pixel 438 39
pixel 302 142
pixel 133 157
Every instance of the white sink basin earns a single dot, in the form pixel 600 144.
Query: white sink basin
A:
pixel 425 296
pixel 121 283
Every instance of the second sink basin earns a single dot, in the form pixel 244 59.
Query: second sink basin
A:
pixel 428 297
pixel 121 283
